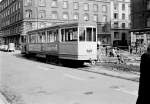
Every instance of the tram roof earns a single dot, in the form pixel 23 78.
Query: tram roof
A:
pixel 55 27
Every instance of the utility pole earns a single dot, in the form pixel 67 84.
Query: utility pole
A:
pixel 37 19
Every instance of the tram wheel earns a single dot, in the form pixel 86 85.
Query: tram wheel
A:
pixel 52 59
pixel 93 62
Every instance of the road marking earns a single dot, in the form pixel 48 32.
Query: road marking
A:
pixel 135 93
pixel 73 77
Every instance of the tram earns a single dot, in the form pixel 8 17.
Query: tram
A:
pixel 72 42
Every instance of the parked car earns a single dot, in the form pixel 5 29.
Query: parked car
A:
pixel 4 47
pixel 11 47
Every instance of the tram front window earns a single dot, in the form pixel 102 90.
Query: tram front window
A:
pixel 82 34
pixel 88 34
pixel 94 34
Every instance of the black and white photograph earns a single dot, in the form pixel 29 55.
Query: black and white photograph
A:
pixel 74 51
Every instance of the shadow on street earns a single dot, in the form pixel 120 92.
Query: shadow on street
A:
pixel 43 60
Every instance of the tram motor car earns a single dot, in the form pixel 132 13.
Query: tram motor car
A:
pixel 68 43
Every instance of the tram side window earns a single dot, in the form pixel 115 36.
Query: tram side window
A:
pixel 75 34
pixel 29 38
pixel 70 34
pixel 89 34
pixel 62 35
pixel 82 34
pixel 32 38
pixel 39 38
pixel 52 36
pixel 94 34
pixel 55 35
pixel 43 37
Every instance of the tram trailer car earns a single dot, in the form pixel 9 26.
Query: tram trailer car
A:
pixel 68 42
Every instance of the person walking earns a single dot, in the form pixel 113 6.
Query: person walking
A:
pixel 144 85
pixel 114 52
pixel 106 50
pixel 130 49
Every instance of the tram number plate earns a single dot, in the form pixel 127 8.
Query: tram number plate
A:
pixel 89 50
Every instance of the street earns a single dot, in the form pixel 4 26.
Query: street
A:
pixel 29 81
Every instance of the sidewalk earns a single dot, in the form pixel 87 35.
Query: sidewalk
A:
pixel 132 76
pixel 133 57
pixel 119 74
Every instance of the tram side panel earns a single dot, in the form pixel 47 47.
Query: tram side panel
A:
pixel 42 48
pixel 50 48
pixel 68 50
pixel 81 51
pixel 34 48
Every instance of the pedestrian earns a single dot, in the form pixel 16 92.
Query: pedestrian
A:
pixel 120 59
pixel 130 49
pixel 144 85
pixel 106 50
pixel 113 52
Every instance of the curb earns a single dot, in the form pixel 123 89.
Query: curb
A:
pixel 135 79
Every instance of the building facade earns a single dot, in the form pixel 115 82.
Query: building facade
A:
pixel 140 15
pixel 120 22
pixel 11 23
pixel 21 16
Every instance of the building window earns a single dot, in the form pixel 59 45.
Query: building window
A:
pixel 104 8
pixel 148 22
pixel 123 25
pixel 28 13
pixel 148 5
pixel 123 15
pixel 86 7
pixel 95 17
pixel 86 17
pixel 65 4
pixel 123 6
pixel 76 16
pixel 54 15
pixel 29 26
pixel 42 2
pixel 42 14
pixel 65 16
pixel 42 25
pixel 104 19
pixel 28 2
pixel 116 35
pixel 115 6
pixel 116 25
pixel 75 5
pixel 54 3
pixel 19 17
pixel 20 5
pixel 95 7
pixel 115 15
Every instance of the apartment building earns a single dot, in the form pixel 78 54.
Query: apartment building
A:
pixel 120 22
pixel 20 16
pixel 11 20
pixel 140 15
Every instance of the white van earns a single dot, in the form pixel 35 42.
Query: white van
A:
pixel 11 47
